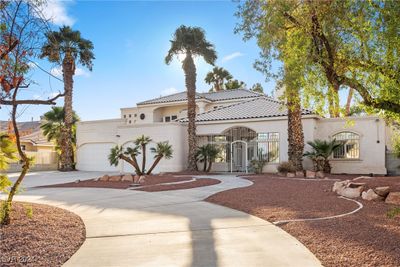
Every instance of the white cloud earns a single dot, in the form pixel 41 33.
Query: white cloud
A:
pixel 57 71
pixel 56 12
pixel 169 91
pixel 232 56
pixel 81 72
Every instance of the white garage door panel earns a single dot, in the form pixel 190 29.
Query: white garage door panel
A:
pixel 94 157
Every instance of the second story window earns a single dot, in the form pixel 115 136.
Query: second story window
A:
pixel 174 117
pixel 23 147
pixel 167 119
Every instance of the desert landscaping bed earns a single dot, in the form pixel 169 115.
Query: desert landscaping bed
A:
pixel 49 237
pixel 366 238
pixel 150 183
pixel 199 182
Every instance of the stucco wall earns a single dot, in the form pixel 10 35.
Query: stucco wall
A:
pixel 372 132
pixel 113 132
pixel 261 126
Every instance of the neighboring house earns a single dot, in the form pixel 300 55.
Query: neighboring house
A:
pixel 241 123
pixel 34 144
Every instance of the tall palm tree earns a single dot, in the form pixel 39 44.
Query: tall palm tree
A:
pixel 143 141
pixel 162 150
pixel 67 47
pixel 191 41
pixel 217 78
pixel 54 123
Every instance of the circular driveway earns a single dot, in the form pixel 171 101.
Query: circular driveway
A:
pixel 170 228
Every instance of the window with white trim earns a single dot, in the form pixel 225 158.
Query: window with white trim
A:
pixel 350 148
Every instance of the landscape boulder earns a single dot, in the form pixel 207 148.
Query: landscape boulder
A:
pixel 300 174
pixel 348 189
pixel 340 185
pixel 104 178
pixel 320 174
pixel 139 179
pixel 370 195
pixel 393 198
pixel 127 178
pixel 310 174
pixel 115 178
pixel 290 175
pixel 382 191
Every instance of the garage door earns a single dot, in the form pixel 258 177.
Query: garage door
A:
pixel 94 157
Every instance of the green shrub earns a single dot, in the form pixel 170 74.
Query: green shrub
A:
pixel 393 212
pixel 286 167
pixel 28 211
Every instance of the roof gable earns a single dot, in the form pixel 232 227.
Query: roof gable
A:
pixel 261 107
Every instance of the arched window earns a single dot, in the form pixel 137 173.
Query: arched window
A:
pixel 350 148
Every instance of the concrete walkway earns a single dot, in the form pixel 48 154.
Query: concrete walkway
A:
pixel 171 228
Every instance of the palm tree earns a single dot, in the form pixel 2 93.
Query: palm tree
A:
pixel 54 124
pixel 212 154
pixel 234 84
pixel 202 155
pixel 217 77
pixel 322 150
pixel 191 41
pixel 129 155
pixel 143 141
pixel 66 47
pixel 162 150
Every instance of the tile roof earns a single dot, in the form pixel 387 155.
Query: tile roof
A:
pixel 30 132
pixel 261 107
pixel 211 96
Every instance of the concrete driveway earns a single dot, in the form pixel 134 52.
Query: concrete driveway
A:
pixel 171 228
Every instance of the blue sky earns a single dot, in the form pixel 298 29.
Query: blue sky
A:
pixel 130 41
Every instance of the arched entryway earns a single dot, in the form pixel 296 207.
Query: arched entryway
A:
pixel 239 145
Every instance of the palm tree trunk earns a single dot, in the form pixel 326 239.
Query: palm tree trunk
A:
pixel 143 158
pixel 66 133
pixel 205 164
pixel 154 164
pixel 133 162
pixel 209 166
pixel 190 80
pixel 295 129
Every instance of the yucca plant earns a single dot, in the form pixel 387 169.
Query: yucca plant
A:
pixel 321 152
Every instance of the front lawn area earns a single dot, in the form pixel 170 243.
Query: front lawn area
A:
pixel 366 238
pixel 40 235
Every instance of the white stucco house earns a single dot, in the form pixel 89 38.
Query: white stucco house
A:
pixel 241 123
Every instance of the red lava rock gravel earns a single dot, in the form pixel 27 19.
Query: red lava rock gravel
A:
pixel 366 238
pixel 198 183
pixel 49 238
pixel 149 180
pixel 151 183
